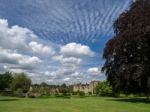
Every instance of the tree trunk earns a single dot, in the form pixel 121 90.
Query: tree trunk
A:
pixel 115 94
pixel 148 85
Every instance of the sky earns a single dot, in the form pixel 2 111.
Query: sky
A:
pixel 57 41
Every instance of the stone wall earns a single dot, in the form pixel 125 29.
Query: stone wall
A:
pixel 86 87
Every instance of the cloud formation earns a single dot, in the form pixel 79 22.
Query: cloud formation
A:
pixel 40 48
pixel 9 56
pixel 76 50
pixel 23 51
pixel 63 21
pixel 94 71
pixel 16 53
pixel 57 41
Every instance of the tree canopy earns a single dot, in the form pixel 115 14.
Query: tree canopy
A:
pixel 127 54
pixel 21 81
pixel 104 89
pixel 5 80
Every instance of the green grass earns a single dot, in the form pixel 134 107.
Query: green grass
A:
pixel 89 104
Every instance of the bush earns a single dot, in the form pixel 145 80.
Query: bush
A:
pixel 81 94
pixel 74 93
pixel 90 93
pixel 104 89
pixel 31 96
pixel 19 92
pixel 56 94
pixel 20 80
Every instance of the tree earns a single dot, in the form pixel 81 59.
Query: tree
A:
pixel 81 94
pixel 5 80
pixel 127 55
pixel 44 89
pixel 44 84
pixel 21 81
pixel 104 89
pixel 64 89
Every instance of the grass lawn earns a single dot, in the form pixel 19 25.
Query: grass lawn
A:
pixel 89 104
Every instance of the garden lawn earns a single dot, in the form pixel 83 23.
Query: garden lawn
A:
pixel 89 104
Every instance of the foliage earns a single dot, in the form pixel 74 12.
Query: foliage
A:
pixel 90 93
pixel 21 81
pixel 81 93
pixel 5 80
pixel 18 92
pixel 104 89
pixel 56 94
pixel 74 93
pixel 127 55
pixel 64 89
pixel 43 84
pixel 44 90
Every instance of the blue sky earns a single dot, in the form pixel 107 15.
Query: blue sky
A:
pixel 57 41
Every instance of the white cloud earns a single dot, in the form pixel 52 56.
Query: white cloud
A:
pixel 23 51
pixel 70 61
pixel 57 58
pixel 75 74
pixel 94 71
pixel 70 57
pixel 15 52
pixel 21 39
pixel 76 50
pixel 11 57
pixel 46 73
pixel 5 67
pixel 50 80
pixel 3 24
pixel 29 60
pixel 40 48
pixel 66 79
pixel 65 71
pixel 14 37
pixel 8 56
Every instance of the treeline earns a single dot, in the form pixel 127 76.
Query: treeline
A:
pixel 46 90
pixel 14 83
pixel 18 84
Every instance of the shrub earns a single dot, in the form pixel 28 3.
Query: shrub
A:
pixel 81 94
pixel 90 93
pixel 19 92
pixel 104 89
pixel 74 93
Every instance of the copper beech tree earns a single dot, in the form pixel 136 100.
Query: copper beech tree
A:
pixel 127 54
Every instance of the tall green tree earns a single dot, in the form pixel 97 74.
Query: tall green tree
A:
pixel 127 55
pixel 5 80
pixel 21 81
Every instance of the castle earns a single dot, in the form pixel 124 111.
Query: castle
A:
pixel 87 88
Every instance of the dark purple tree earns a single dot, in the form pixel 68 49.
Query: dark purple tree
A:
pixel 127 54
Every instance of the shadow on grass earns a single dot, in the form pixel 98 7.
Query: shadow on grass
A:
pixel 131 100
pixel 9 99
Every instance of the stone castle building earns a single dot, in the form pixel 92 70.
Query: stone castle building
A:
pixel 86 87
